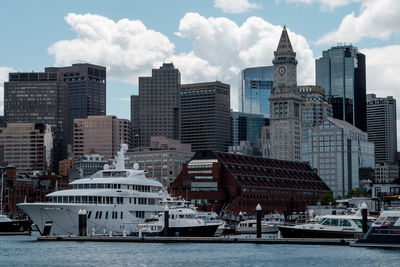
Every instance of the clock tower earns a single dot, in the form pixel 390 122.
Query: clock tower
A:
pixel 285 104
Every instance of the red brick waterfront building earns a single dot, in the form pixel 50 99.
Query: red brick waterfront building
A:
pixel 233 183
pixel 29 187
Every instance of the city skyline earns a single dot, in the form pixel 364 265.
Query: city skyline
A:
pixel 195 33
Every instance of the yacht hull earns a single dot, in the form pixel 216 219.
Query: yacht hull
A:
pixel 15 226
pixel 382 235
pixel 295 232
pixel 265 229
pixel 64 218
pixel 194 231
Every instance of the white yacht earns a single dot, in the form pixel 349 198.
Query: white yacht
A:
pixel 116 200
pixel 329 226
pixel 184 220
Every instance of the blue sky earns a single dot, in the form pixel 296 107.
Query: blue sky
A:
pixel 206 39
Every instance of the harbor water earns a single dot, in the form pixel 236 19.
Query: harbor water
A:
pixel 26 251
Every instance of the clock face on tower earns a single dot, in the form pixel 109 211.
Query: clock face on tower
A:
pixel 282 70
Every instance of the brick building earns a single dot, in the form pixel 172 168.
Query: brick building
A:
pixel 233 183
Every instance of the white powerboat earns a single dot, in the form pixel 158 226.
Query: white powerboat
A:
pixel 329 226
pixel 250 227
pixel 116 200
pixel 184 220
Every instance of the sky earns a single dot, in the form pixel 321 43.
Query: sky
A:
pixel 207 40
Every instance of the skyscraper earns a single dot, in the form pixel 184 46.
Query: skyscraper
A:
pixel 285 101
pixel 247 127
pixel 341 153
pixel 157 106
pixel 205 117
pixel 254 90
pixel 86 91
pixel 341 71
pixel 381 127
pixel 39 97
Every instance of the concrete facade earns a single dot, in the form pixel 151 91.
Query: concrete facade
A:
pixel 103 134
pixel 27 146
pixel 162 160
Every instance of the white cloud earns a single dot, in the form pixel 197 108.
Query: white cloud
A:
pixel 377 19
pixel 126 47
pixel 383 79
pixel 3 78
pixel 235 6
pixel 221 43
pixel 326 5
pixel 221 48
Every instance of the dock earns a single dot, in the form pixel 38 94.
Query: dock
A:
pixel 217 240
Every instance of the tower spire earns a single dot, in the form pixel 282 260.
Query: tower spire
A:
pixel 284 45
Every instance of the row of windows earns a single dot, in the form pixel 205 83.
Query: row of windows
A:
pixel 103 200
pixel 99 215
pixel 140 188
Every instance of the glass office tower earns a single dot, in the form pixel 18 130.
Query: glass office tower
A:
pixel 341 71
pixel 254 90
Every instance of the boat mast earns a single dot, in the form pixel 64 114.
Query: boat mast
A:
pixel 1 193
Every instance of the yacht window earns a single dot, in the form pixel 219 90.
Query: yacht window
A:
pixel 106 215
pixel 122 215
pixel 327 222
pixel 86 186
pixel 130 200
pixel 90 199
pixel 119 186
pixel 71 200
pixel 80 186
pixel 358 222
pixel 107 186
pixel 134 200
pixel 390 221
pixel 151 201
pixel 84 199
pixel 380 220
pixel 89 214
pixel 92 185
pixel 100 185
pixel 334 222
pixel 181 216
pixel 101 213
pixel 65 199
pixel 344 223
pixel 97 215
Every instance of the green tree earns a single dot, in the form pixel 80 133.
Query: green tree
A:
pixel 327 198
